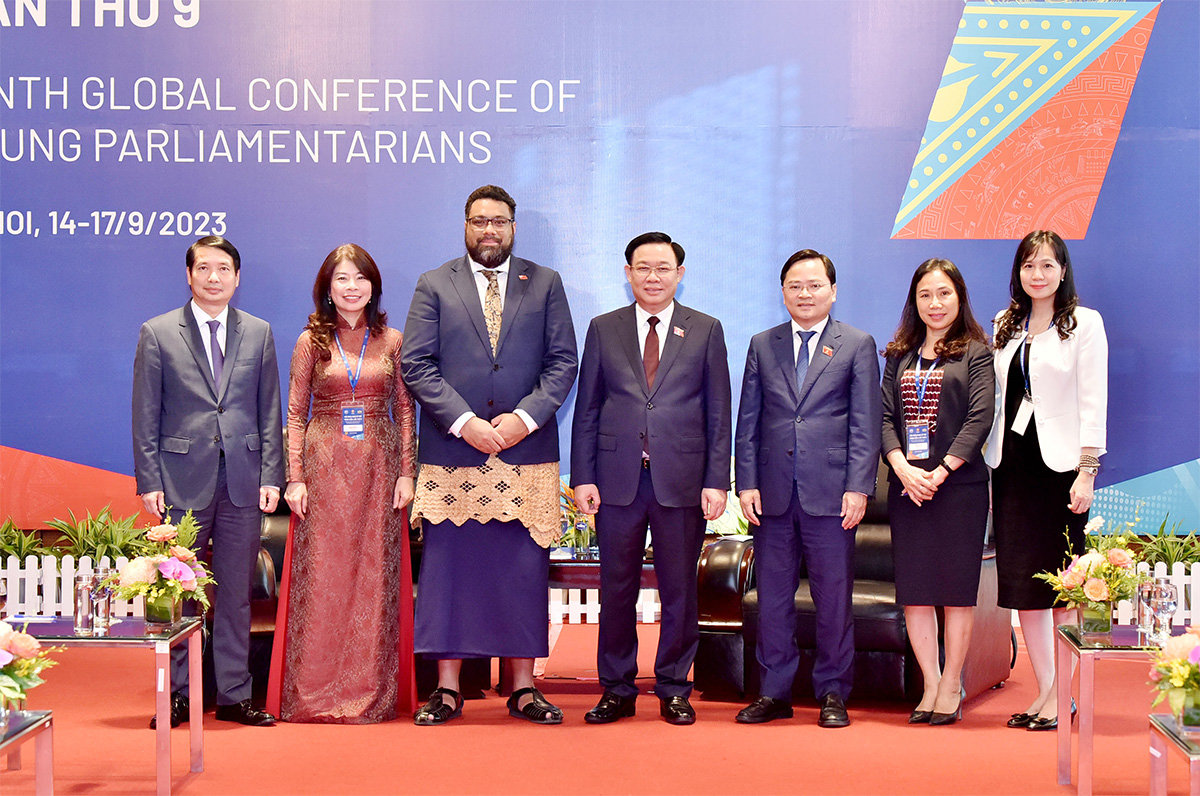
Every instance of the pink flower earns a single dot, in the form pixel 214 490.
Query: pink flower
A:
pixel 1120 557
pixel 1094 524
pixel 1095 590
pixel 23 645
pixel 174 569
pixel 188 585
pixel 1155 674
pixel 182 553
pixel 6 632
pixel 6 657
pixel 1072 579
pixel 139 570
pixel 162 533
pixel 1178 648
pixel 1194 655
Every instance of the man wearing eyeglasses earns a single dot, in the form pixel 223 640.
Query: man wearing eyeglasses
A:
pixel 807 448
pixel 650 448
pixel 489 353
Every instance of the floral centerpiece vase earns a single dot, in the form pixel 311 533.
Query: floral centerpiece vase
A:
pixel 1175 676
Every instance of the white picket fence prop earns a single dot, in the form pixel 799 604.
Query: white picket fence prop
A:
pixel 582 606
pixel 45 586
pixel 1188 582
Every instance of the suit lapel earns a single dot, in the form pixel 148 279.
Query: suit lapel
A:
pixel 464 284
pixel 627 335
pixel 679 320
pixel 514 294
pixel 781 345
pixel 233 339
pixel 831 338
pixel 190 333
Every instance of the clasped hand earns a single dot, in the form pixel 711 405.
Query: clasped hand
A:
pixel 920 485
pixel 502 433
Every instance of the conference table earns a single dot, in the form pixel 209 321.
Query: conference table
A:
pixel 1124 643
pixel 135 633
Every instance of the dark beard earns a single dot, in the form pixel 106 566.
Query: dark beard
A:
pixel 491 256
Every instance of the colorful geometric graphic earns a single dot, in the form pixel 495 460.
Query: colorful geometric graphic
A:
pixel 1024 122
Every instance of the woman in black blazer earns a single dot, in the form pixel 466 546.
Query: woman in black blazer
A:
pixel 938 397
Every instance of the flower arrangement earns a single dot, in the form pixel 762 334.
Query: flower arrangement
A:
pixel 22 661
pixel 1175 675
pixel 579 529
pixel 1106 573
pixel 169 570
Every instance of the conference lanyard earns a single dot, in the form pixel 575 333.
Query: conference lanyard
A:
pixel 923 383
pixel 361 355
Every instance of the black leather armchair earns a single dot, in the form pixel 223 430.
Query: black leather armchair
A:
pixel 884 666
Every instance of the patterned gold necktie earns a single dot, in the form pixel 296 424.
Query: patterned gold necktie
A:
pixel 491 307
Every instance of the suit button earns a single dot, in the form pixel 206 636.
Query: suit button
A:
pixel 220 410
pixel 649 406
pixel 490 403
pixel 217 438
pixel 641 435
pixel 799 420
pixel 496 366
pixel 789 453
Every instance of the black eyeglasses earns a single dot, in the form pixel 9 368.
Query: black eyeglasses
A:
pixel 481 223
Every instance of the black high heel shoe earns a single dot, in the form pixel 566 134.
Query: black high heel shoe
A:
pixel 1039 724
pixel 920 716
pixel 1020 721
pixel 939 719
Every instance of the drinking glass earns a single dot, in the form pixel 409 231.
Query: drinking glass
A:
pixel 1163 605
pixel 1145 610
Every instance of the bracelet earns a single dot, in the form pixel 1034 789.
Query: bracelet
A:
pixel 946 466
pixel 1088 464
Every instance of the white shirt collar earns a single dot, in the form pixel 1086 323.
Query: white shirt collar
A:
pixel 202 317
pixel 664 317
pixel 819 328
pixel 477 268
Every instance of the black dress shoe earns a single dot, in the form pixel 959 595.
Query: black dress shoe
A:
pixel 677 710
pixel 1020 721
pixel 942 719
pixel 764 709
pixel 1040 724
pixel 538 709
pixel 179 711
pixel 610 708
pixel 436 711
pixel 833 712
pixel 245 713
pixel 920 716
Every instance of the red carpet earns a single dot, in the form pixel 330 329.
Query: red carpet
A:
pixel 102 700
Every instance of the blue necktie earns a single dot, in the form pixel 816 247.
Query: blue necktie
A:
pixel 802 359
pixel 218 356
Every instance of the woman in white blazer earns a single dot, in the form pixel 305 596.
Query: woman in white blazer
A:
pixel 1051 358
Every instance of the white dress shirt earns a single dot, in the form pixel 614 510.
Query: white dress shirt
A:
pixel 819 328
pixel 643 326
pixel 202 319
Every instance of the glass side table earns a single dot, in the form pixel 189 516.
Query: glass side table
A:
pixel 1124 643
pixel 36 725
pixel 134 633
pixel 1165 736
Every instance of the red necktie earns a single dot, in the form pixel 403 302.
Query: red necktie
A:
pixel 650 353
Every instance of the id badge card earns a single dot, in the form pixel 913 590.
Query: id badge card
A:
pixel 1021 420
pixel 354 416
pixel 918 441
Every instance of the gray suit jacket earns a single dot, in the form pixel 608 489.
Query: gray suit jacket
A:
pixel 448 365
pixel 832 423
pixel 686 414
pixel 181 420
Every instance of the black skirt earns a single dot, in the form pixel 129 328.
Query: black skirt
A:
pixel 937 547
pixel 1030 512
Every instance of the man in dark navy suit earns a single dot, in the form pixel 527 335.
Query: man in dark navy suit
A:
pixel 807 448
pixel 650 447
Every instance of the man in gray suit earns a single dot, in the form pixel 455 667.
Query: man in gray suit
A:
pixel 650 447
pixel 208 436
pixel 807 442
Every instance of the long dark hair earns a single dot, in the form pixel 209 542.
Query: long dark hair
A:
pixel 323 320
pixel 1065 298
pixel 911 331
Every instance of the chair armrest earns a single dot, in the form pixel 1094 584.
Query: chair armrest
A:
pixel 725 573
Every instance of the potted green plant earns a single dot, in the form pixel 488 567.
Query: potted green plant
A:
pixel 99 536
pixel 22 544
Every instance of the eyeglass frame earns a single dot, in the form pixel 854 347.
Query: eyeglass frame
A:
pixel 500 223
pixel 661 271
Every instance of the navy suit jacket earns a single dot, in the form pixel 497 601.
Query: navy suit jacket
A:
pixel 447 361
pixel 686 414
pixel 832 423
pixel 182 420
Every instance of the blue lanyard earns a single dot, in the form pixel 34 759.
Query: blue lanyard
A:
pixel 1025 358
pixel 923 383
pixel 361 355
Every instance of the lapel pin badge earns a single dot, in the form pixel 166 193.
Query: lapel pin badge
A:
pixel 827 351
pixel 522 277
pixel 677 331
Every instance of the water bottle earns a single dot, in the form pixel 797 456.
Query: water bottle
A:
pixel 83 603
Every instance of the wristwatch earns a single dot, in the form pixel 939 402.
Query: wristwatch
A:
pixel 1090 469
